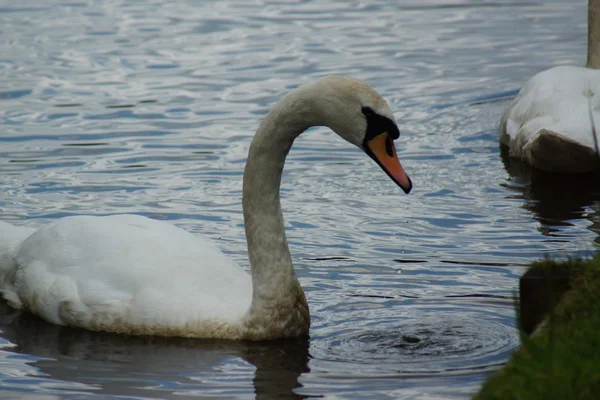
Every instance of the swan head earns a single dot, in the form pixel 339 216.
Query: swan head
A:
pixel 360 115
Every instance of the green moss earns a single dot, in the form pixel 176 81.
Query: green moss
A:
pixel 563 361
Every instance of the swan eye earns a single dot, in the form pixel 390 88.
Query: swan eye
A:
pixel 377 124
pixel 367 111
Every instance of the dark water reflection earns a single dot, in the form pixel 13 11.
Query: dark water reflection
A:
pixel 155 367
pixel 556 200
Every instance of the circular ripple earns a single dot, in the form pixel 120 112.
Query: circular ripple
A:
pixel 444 338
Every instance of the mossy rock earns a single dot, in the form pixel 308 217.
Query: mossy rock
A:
pixel 562 360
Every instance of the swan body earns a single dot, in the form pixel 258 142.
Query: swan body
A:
pixel 134 275
pixel 97 272
pixel 548 124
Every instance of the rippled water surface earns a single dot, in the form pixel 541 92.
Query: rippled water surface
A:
pixel 149 107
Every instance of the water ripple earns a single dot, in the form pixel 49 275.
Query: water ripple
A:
pixel 149 108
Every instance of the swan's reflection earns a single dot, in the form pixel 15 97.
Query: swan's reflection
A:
pixel 110 364
pixel 555 198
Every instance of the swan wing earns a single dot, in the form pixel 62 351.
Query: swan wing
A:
pixel 555 100
pixel 129 270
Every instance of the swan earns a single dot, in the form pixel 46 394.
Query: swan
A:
pixel 133 275
pixel 549 123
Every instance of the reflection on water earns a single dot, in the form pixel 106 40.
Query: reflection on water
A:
pixel 81 361
pixel 149 107
pixel 557 200
pixel 386 348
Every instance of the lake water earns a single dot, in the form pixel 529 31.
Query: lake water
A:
pixel 149 107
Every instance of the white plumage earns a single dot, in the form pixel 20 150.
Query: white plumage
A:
pixel 548 124
pixel 97 272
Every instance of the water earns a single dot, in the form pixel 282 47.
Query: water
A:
pixel 149 107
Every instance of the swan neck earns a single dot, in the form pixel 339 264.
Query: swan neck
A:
pixel 277 295
pixel 593 55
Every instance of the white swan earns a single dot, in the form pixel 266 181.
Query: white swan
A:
pixel 134 275
pixel 548 124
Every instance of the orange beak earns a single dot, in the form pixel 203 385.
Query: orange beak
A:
pixel 381 149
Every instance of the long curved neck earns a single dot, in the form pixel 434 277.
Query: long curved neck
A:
pixel 593 55
pixel 277 294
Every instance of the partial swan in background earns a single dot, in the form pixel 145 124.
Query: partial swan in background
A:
pixel 134 275
pixel 549 123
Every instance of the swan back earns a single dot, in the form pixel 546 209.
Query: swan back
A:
pixel 129 274
pixel 548 124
